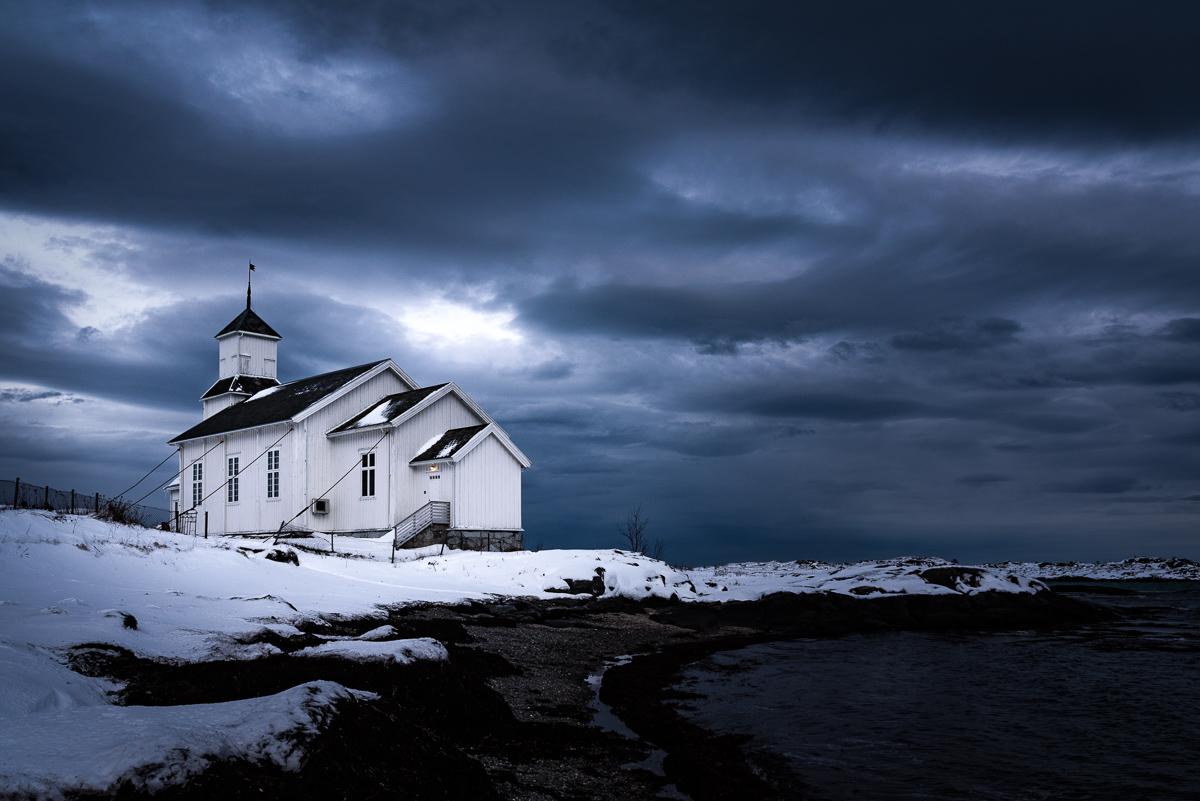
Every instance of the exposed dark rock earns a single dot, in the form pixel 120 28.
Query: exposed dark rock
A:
pixel 952 576
pixel 127 620
pixel 593 586
pixel 284 555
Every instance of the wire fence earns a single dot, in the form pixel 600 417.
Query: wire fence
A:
pixel 22 494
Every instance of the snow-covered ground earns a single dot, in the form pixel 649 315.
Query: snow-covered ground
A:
pixel 905 575
pixel 94 747
pixel 1140 568
pixel 67 580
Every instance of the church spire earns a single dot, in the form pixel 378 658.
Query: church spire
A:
pixel 248 321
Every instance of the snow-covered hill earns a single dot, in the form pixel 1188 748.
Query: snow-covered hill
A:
pixel 1137 569
pixel 67 580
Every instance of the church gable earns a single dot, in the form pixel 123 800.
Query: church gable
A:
pixel 385 410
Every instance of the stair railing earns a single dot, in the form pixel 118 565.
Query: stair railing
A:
pixel 432 513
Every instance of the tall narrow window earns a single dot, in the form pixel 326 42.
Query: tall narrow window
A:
pixel 231 489
pixel 197 483
pixel 272 474
pixel 368 475
pixel 244 363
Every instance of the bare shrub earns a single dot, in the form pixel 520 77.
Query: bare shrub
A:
pixel 116 510
pixel 633 532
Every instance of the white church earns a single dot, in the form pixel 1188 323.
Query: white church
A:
pixel 358 451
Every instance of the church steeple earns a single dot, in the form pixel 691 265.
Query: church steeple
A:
pixel 248 322
pixel 248 345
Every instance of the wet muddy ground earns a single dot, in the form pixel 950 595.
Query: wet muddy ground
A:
pixel 512 714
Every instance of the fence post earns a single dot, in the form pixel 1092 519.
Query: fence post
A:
pixel 46 497
pixel 206 525
pixel 96 504
pixel 176 517
pixel 72 501
pixel 17 492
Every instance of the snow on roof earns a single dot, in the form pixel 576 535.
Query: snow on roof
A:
pixel 262 393
pixel 281 404
pixel 387 409
pixel 444 446
pixel 241 384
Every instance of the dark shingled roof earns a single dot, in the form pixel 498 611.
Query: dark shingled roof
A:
pixel 249 322
pixel 244 384
pixel 285 402
pixel 388 408
pixel 449 444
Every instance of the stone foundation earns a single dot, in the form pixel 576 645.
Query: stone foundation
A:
pixel 468 540
pixel 485 540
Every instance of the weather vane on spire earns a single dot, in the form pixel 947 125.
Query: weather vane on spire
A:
pixel 248 284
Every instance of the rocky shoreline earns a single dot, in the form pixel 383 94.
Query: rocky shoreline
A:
pixel 511 714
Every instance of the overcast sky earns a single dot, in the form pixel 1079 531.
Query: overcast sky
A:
pixel 844 281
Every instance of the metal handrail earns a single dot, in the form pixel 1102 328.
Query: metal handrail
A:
pixel 424 517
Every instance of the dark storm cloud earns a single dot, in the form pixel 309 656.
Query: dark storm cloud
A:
pixel 983 479
pixel 1186 329
pixel 1181 401
pixel 831 270
pixel 959 335
pixel 852 406
pixel 716 318
pixel 1111 68
pixel 1101 484
pixel 18 395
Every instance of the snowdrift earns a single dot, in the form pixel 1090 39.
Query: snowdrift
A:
pixel 95 748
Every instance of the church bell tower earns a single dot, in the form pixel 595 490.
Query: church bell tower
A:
pixel 248 358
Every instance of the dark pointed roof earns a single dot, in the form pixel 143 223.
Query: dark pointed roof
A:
pixel 240 384
pixel 281 403
pixel 249 322
pixel 449 444
pixel 387 409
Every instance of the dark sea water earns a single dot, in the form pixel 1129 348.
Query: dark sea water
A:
pixel 1101 712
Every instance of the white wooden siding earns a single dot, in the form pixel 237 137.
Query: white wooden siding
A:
pixel 329 457
pixel 214 405
pixel 259 349
pixel 410 484
pixel 487 491
pixel 253 511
